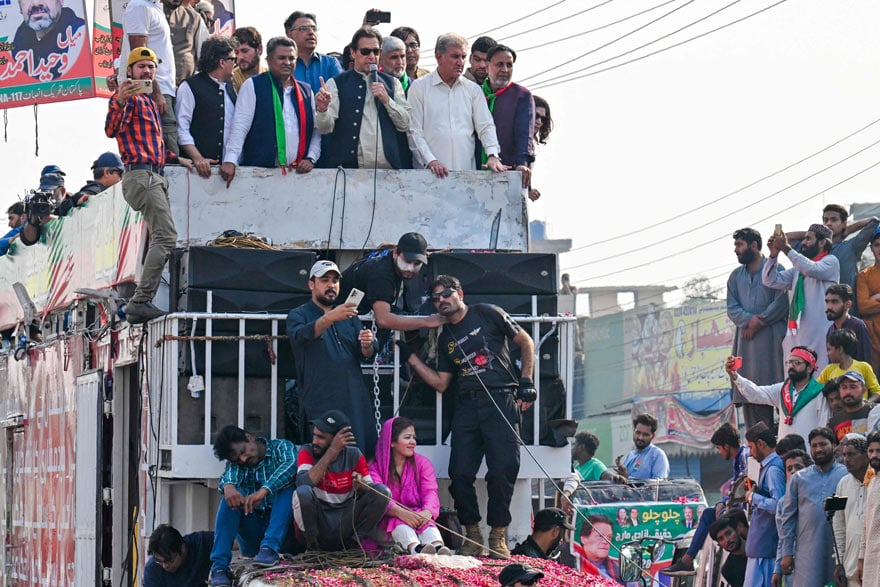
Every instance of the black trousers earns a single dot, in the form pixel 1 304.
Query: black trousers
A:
pixel 478 430
pixel 333 527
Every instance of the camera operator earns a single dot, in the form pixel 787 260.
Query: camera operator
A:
pixel 42 206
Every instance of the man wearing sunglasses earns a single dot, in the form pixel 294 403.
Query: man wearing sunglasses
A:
pixel 107 172
pixel 206 103
pixel 473 352
pixel 363 113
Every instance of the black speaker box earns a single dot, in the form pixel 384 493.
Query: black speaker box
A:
pixel 499 273
pixel 515 304
pixel 234 301
pixel 252 269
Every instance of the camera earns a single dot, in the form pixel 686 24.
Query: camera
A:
pixel 835 503
pixel 39 204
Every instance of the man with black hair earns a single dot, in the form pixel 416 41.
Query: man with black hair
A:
pixel 17 218
pixel 205 105
pixel 248 54
pixel 763 500
pixel 789 443
pixel 813 271
pixel 332 473
pixel 474 358
pixel 798 399
pixel 549 530
pixel 726 439
pixel 849 523
pixel 363 114
pixel 840 346
pixel 479 60
pixel 839 299
pixel 586 467
pixel 107 171
pixel 311 66
pixel 730 531
pixel 759 313
pixel 177 561
pixel 793 460
pixel 869 550
pixel 805 542
pixel 257 489
pixel 831 393
pixel 646 460
pixel 854 413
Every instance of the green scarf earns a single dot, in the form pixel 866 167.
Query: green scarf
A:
pixel 280 135
pixel 490 99
pixel 404 81
pixel 798 298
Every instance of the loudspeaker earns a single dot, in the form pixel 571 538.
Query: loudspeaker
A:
pixel 499 273
pixel 515 304
pixel 254 269
pixel 548 355
pixel 234 301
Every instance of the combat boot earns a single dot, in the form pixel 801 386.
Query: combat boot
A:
pixel 498 543
pixel 473 546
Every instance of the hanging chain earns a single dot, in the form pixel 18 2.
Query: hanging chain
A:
pixel 376 402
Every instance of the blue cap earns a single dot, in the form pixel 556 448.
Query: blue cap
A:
pixel 52 169
pixel 108 160
pixel 855 376
pixel 50 181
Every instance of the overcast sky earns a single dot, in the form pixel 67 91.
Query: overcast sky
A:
pixel 634 146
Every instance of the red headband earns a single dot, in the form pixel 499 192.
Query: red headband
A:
pixel 807 357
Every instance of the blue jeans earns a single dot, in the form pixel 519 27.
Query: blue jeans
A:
pixel 707 518
pixel 260 528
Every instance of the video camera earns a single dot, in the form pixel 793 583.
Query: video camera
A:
pixel 38 205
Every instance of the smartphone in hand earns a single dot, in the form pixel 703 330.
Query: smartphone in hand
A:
pixel 355 296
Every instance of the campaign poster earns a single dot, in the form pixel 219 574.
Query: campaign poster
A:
pixel 45 54
pixel 102 48
pixel 117 9
pixel 223 22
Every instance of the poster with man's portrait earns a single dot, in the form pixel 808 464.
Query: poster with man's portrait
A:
pixel 44 52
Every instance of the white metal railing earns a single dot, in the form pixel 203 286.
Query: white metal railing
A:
pixel 167 342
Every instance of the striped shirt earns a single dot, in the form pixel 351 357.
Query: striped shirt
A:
pixel 137 128
pixel 275 472
pixel 337 485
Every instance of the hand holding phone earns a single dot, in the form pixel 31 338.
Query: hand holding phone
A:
pixel 737 363
pixel 142 86
pixel 355 296
pixel 374 17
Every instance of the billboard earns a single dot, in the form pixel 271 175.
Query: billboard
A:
pixel 102 47
pixel 45 54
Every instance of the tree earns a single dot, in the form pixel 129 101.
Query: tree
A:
pixel 700 288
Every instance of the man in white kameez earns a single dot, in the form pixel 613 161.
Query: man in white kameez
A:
pixel 813 271
pixel 798 400
pixel 849 524
pixel 805 542
pixel 869 549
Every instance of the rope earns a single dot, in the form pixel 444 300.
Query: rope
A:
pixel 245 241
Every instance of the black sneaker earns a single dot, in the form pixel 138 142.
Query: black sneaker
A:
pixel 679 569
pixel 140 312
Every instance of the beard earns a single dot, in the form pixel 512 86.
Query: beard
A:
pixel 875 464
pixel 797 376
pixel 747 257
pixel 325 299
pixel 811 251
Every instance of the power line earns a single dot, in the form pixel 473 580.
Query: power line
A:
pixel 593 30
pixel 557 21
pixel 612 41
pixel 705 243
pixel 726 216
pixel 678 217
pixel 642 46
pixel 521 18
pixel 658 51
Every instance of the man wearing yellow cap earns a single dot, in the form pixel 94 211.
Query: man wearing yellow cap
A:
pixel 134 120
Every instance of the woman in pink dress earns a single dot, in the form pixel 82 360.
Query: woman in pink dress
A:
pixel 413 484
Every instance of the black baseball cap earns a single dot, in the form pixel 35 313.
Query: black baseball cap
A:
pixel 517 572
pixel 413 247
pixel 550 517
pixel 331 422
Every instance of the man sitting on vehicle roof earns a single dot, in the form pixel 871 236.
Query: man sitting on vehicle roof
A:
pixel 646 460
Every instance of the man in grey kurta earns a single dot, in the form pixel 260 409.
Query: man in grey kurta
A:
pixel 813 271
pixel 805 543
pixel 328 345
pixel 760 314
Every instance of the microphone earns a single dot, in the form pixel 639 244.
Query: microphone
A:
pixel 374 72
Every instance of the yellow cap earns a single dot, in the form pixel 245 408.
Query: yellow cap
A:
pixel 142 54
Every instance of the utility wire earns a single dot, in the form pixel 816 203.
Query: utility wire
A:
pixel 658 51
pixel 557 21
pixel 521 18
pixel 642 46
pixel 589 31
pixel 726 216
pixel 611 42
pixel 774 214
pixel 678 217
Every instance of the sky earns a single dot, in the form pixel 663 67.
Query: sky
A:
pixel 653 164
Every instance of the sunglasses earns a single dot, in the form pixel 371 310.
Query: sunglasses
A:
pixel 541 117
pixel 364 51
pixel 448 292
pixel 227 58
pixel 304 28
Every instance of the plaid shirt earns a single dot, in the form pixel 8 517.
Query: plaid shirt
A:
pixel 275 472
pixel 137 128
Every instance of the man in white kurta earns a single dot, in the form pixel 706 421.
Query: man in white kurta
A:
pixel 813 271
pixel 798 400
pixel 849 524
pixel 447 111
pixel 869 549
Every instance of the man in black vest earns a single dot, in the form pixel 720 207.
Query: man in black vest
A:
pixel 255 139
pixel 362 112
pixel 205 105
